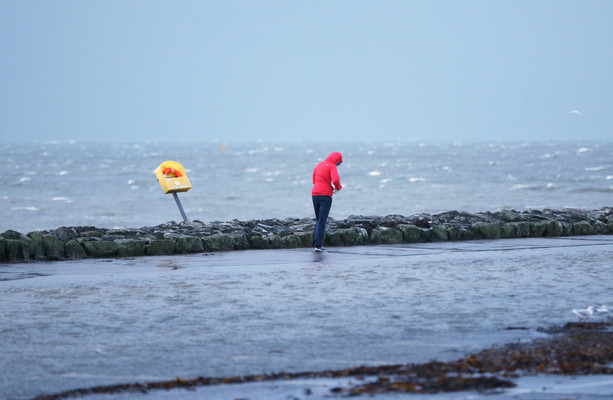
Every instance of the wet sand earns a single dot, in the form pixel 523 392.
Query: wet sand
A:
pixel 575 349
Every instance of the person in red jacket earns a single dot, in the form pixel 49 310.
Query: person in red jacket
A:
pixel 325 182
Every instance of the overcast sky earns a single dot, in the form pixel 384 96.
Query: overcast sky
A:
pixel 367 70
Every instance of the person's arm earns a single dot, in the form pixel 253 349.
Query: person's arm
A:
pixel 336 180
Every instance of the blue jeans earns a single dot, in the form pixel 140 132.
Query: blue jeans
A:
pixel 322 205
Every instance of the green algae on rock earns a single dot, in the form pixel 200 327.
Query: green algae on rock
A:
pixel 196 236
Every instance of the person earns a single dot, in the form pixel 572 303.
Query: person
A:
pixel 325 182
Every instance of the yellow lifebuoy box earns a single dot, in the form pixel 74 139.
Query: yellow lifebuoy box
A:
pixel 172 177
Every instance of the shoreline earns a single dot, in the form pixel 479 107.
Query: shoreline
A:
pixel 575 349
pixel 81 242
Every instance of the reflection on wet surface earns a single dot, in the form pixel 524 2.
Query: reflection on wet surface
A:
pixel 253 312
pixel 12 276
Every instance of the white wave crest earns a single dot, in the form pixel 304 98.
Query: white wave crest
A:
pixel 26 208
pixel 600 168
pixel 61 198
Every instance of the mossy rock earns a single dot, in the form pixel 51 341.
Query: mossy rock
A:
pixel 160 247
pixel 3 249
pixel 537 229
pixel 354 236
pixel 74 250
pixel 17 250
pixel 583 228
pixel 240 242
pixel 507 231
pixel 509 216
pixel 218 242
pixel 553 228
pixel 100 248
pixel 291 242
pixel 567 229
pixel 601 228
pixel 91 234
pixel 276 242
pixel 385 235
pixel 346 237
pixel 131 247
pixel 438 233
pixel 487 230
pixel 467 234
pixel 37 249
pixel 306 238
pixel 454 232
pixel 54 247
pixel 413 234
pixel 258 242
pixel 187 244
pixel 333 238
pixel 522 229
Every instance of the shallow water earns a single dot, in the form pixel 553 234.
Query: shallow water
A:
pixel 79 324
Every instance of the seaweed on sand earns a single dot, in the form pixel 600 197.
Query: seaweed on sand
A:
pixel 573 349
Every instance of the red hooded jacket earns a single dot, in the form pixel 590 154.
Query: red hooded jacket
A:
pixel 325 175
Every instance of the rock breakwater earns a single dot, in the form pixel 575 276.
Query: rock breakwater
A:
pixel 78 242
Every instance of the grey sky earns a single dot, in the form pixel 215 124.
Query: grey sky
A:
pixel 366 70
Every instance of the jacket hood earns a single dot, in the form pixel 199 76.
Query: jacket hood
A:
pixel 335 157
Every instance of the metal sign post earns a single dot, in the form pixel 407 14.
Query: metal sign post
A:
pixel 176 196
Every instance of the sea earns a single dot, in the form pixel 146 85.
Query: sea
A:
pixel 84 323
pixel 111 185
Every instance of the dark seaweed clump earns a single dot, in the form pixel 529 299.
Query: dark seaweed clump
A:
pixel 574 349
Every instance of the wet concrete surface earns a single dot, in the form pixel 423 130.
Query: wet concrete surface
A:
pixel 349 306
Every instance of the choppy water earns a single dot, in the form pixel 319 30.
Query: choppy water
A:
pixel 85 323
pixel 113 185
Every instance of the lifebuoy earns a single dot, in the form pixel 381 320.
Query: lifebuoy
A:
pixel 171 173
